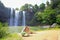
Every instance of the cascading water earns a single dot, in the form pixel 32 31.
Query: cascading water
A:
pixel 11 18
pixel 23 22
pixel 16 18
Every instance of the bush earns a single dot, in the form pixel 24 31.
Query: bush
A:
pixel 3 31
pixel 13 36
pixel 58 19
pixel 24 34
pixel 57 26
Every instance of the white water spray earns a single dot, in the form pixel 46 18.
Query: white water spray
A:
pixel 11 18
pixel 16 18
pixel 23 21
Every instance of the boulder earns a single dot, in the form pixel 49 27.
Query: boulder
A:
pixel 54 24
pixel 27 29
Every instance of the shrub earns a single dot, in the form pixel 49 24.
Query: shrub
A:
pixel 13 36
pixel 24 34
pixel 58 19
pixel 57 26
pixel 3 31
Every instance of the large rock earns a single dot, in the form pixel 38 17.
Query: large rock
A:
pixel 27 29
pixel 54 24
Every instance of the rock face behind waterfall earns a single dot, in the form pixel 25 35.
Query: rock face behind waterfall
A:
pixel 4 13
pixel 28 17
pixel 20 18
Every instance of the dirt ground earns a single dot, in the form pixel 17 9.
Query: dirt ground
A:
pixel 44 35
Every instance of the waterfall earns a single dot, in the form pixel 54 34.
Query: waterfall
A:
pixel 11 18
pixel 16 18
pixel 23 20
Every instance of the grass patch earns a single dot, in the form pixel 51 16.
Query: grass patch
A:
pixel 13 36
pixel 15 30
pixel 32 28
pixel 37 28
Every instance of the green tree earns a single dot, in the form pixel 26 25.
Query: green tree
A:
pixel 38 17
pixel 42 7
pixel 54 3
pixel 47 3
pixel 17 9
pixel 58 19
pixel 35 8
pixel 50 16
pixel 46 17
pixel 24 7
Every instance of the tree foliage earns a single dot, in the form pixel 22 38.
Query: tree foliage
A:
pixel 46 14
pixel 3 30
pixel 58 19
pixel 26 7
pixel 42 7
pixel 35 8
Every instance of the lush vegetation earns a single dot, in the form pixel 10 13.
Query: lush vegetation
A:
pixel 3 31
pixel 46 14
pixel 13 36
pixel 9 33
